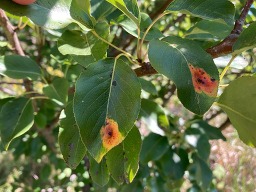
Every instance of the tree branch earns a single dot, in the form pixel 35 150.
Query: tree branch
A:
pixel 12 37
pixel 223 48
pixel 160 10
pixel 10 33
pixel 225 125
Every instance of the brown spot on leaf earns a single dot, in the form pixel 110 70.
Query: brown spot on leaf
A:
pixel 203 82
pixel 110 134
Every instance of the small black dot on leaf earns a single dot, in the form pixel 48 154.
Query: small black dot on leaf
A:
pixel 114 83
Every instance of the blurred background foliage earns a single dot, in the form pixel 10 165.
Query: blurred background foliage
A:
pixel 34 161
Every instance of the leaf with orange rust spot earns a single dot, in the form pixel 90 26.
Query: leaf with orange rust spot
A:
pixel 203 82
pixel 190 68
pixel 106 105
pixel 123 160
pixel 110 134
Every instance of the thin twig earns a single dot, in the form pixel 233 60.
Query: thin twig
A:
pixel 10 83
pixel 10 33
pixel 14 41
pixel 225 47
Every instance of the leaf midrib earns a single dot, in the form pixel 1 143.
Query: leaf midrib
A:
pixel 236 112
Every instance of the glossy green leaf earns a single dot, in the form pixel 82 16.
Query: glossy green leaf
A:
pixel 237 101
pixel 101 8
pixel 174 163
pixel 52 14
pixel 153 148
pixel 129 8
pixel 107 97
pixel 84 5
pixel 209 30
pixel 199 141
pixel 80 12
pixel 210 131
pixel 154 116
pixel 16 118
pixel 206 9
pixel 123 160
pixel 57 91
pixel 131 27
pixel 201 172
pixel 19 67
pixel 99 171
pixel 246 40
pixel 71 145
pixel 190 68
pixel 85 47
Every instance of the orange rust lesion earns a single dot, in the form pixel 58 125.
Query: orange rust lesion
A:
pixel 110 134
pixel 203 82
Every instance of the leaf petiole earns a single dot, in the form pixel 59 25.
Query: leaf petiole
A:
pixel 227 67
pixel 110 44
pixel 147 30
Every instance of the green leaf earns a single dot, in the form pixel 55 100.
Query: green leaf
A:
pixel 199 141
pixel 57 91
pixel 210 131
pixel 106 104
pixel 4 101
pixel 123 160
pixel 80 12
pixel 71 145
pixel 246 40
pixel 190 68
pixel 209 30
pixel 84 5
pixel 129 8
pixel 201 172
pixel 135 186
pixel 206 9
pixel 148 86
pixel 101 8
pixel 237 101
pixel 52 14
pixel 174 163
pixel 16 118
pixel 19 67
pixel 85 47
pixel 40 120
pixel 131 27
pixel 99 171
pixel 153 148
pixel 154 116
